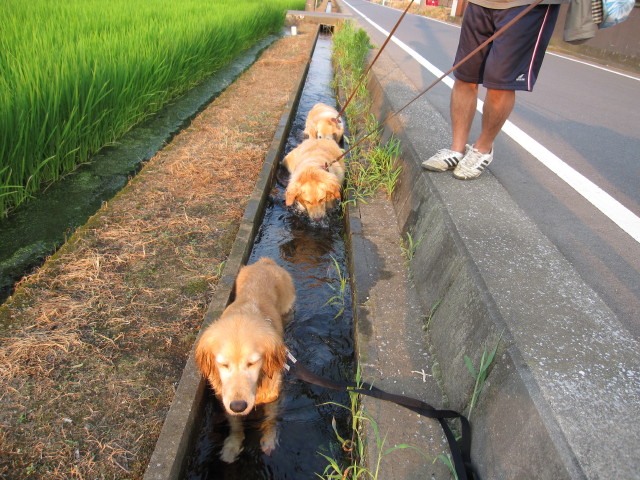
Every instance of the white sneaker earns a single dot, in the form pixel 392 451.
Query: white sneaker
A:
pixel 443 159
pixel 473 164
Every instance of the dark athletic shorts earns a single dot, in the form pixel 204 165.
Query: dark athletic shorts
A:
pixel 513 60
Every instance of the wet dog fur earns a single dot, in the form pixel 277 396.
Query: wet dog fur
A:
pixel 323 122
pixel 242 354
pixel 316 177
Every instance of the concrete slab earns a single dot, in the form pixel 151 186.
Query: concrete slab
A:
pixel 294 17
pixel 567 374
pixel 391 348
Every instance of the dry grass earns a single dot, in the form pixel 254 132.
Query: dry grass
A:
pixel 93 344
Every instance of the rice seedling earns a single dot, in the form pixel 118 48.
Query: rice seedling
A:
pixel 75 75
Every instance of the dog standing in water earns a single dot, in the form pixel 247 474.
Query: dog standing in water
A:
pixel 323 122
pixel 316 176
pixel 242 354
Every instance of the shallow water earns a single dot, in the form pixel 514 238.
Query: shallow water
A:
pixel 36 229
pixel 319 335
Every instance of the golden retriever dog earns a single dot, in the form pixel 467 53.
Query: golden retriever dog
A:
pixel 316 176
pixel 242 354
pixel 323 122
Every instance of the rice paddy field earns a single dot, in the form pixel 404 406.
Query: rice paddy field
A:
pixel 75 75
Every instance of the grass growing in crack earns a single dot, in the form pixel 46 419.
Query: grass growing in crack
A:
pixel 408 247
pixel 481 375
pixel 355 446
pixel 446 459
pixel 338 300
pixel 432 312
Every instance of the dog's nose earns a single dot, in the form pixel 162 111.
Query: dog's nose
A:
pixel 238 406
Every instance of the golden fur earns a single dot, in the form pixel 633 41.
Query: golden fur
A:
pixel 242 354
pixel 313 187
pixel 323 122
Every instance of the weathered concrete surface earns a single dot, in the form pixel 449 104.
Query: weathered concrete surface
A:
pixel 562 398
pixel 391 348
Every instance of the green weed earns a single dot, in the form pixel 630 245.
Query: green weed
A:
pixel 338 300
pixel 432 312
pixel 355 446
pixel 409 246
pixel 481 375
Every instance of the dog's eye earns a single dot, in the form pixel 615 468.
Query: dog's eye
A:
pixel 224 366
pixel 251 364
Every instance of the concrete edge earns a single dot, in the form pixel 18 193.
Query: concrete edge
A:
pixel 168 458
pixel 293 17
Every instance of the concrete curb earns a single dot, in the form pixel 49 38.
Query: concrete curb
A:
pixel 566 375
pixel 167 460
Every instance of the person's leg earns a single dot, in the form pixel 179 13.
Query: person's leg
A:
pixel 512 64
pixel 498 105
pixel 476 27
pixel 464 98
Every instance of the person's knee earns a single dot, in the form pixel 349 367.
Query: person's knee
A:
pixel 462 85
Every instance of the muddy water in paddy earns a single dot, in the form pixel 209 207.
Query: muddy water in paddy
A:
pixel 319 335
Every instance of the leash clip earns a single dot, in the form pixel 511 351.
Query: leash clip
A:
pixel 292 359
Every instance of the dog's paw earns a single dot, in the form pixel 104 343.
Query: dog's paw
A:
pixel 231 449
pixel 268 443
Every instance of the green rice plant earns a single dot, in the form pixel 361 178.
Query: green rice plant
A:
pixel 338 300
pixel 481 375
pixel 75 75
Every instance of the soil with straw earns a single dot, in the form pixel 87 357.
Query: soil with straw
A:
pixel 93 344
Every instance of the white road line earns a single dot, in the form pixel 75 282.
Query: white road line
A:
pixel 614 210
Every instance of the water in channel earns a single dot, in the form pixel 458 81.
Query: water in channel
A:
pixel 319 335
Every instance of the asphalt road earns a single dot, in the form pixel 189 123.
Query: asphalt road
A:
pixel 569 155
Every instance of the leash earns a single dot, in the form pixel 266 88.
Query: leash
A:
pixel 364 75
pixel 461 454
pixel 439 79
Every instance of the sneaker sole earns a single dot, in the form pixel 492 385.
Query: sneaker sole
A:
pixel 480 172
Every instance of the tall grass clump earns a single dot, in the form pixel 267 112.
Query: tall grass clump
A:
pixel 371 166
pixel 75 75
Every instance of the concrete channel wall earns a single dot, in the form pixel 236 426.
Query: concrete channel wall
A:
pixel 565 377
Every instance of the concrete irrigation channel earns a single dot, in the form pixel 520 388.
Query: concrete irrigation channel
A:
pixel 319 337
pixel 542 413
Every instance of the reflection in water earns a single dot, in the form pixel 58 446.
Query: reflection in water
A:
pixel 318 338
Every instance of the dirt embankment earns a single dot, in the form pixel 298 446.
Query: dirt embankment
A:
pixel 93 344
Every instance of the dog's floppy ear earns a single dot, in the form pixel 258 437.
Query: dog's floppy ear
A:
pixel 290 195
pixel 206 360
pixel 333 192
pixel 274 359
